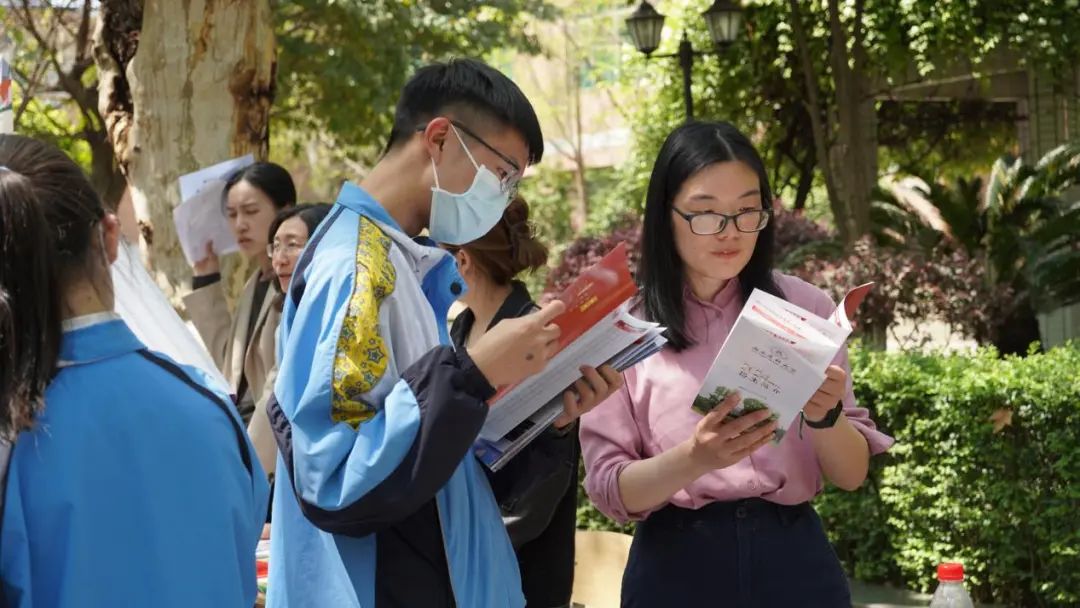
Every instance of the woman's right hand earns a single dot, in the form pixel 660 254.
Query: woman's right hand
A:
pixel 718 443
pixel 208 265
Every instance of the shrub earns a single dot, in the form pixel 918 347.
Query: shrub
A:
pixel 798 237
pixel 795 233
pixel 986 470
pixel 588 250
pixel 946 285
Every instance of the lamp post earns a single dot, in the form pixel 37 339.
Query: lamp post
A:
pixel 646 25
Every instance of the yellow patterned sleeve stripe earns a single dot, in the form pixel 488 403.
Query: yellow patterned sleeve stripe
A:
pixel 361 358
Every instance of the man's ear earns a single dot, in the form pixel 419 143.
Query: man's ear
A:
pixel 435 134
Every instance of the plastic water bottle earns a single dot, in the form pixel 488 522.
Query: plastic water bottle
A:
pixel 950 592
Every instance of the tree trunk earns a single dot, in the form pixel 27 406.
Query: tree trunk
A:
pixel 579 216
pixel 853 157
pixel 580 213
pixel 806 181
pixel 845 136
pixel 184 84
pixel 105 174
pixel 1017 330
pixel 815 107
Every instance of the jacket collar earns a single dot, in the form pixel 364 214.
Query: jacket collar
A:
pixel 92 340
pixel 358 200
pixel 434 267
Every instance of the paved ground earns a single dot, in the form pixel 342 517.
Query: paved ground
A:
pixel 874 596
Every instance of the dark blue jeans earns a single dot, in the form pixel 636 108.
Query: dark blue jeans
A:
pixel 743 554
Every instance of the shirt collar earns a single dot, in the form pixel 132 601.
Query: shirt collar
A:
pixel 96 337
pixel 75 323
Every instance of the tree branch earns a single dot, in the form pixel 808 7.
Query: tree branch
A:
pixel 859 52
pixel 70 80
pixel 29 85
pixel 592 67
pixel 45 42
pixel 60 22
pixel 56 125
pixel 559 123
pixel 82 39
pixel 813 96
pixel 838 53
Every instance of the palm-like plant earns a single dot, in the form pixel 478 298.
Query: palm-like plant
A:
pixel 1023 223
pixel 1034 227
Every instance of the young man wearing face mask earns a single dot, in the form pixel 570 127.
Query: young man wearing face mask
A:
pixel 379 501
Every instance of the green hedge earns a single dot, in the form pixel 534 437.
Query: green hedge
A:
pixel 1005 502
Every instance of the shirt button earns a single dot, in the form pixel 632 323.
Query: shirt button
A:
pixel 740 512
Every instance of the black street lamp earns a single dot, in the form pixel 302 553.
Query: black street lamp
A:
pixel 646 25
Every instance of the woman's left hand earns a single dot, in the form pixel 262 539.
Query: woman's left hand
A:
pixel 594 386
pixel 828 395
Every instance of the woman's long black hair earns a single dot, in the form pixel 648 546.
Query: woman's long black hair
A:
pixel 687 150
pixel 48 215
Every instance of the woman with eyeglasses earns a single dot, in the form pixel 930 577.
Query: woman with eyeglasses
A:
pixel 243 344
pixel 725 515
pixel 288 234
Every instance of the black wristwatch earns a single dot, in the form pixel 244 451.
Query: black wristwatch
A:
pixel 829 420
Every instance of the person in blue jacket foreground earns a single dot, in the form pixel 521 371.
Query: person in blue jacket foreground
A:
pixel 130 480
pixel 379 500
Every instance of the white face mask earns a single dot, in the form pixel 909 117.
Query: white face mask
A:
pixel 457 219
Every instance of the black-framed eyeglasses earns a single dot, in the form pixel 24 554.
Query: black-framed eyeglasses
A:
pixel 510 182
pixel 711 222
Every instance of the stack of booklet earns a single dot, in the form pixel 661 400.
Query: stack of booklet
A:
pixel 776 355
pixel 597 329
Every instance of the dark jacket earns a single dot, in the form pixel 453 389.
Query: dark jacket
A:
pixel 536 490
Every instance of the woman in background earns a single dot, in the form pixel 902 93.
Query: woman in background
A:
pixel 244 344
pixel 130 481
pixel 537 489
pixel 288 234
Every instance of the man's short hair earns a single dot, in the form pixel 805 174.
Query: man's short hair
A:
pixel 473 92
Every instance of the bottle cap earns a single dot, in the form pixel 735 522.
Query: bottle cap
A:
pixel 950 571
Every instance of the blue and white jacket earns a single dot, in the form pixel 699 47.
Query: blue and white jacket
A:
pixel 136 486
pixel 379 501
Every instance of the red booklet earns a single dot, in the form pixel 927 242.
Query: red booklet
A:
pixel 593 295
pixel 597 329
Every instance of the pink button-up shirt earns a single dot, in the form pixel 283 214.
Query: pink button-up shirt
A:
pixel 651 414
